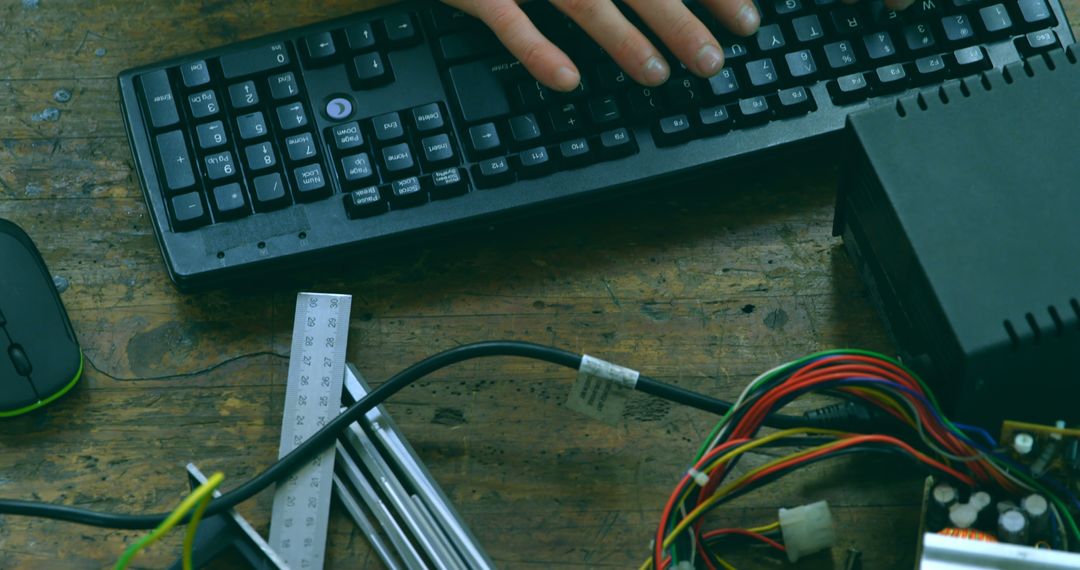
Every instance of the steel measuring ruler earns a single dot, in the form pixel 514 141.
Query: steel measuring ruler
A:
pixel 299 518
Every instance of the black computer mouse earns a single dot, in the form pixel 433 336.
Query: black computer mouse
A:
pixel 40 358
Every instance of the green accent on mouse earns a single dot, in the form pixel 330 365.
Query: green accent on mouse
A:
pixel 40 403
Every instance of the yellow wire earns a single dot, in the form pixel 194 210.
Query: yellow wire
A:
pixel 174 517
pixel 737 451
pixel 764 529
pixel 189 534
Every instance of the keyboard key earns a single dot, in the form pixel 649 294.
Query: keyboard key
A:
pixel 881 16
pixel 255 60
pixel 220 165
pixel 724 83
pixel 808 28
pixel 269 192
pixel 319 48
pixel 957 28
pixel 438 151
pixel 447 183
pixel 890 78
pixel 492 172
pixel 400 29
pixel 398 160
pixel 195 74
pixel 565 119
pixel 1035 42
pixel 292 116
pixel 388 127
pixel 848 19
pixel 786 7
pixel 360 37
pixel 251 126
pixel 229 201
pixel 203 104
pixel 849 88
pixel 428 118
pixel 468 45
pixel 995 20
pixel 524 129
pixel 347 136
pixel 175 161
pixel 794 101
pixel 918 37
pixel 1035 13
pixel 801 64
pixel 260 156
pixel 188 211
pixel 715 119
pixel 678 93
pixel 735 51
pixel 617 143
pixel 478 91
pixel 283 86
pixel 672 130
pixel 357 168
pixel 447 20
pixel 930 69
pixel 211 135
pixel 879 45
pixel 484 139
pixel 364 203
pixel 532 94
pixel 534 162
pixel 159 99
pixel 611 77
pixel 370 71
pixel 300 147
pixel 769 37
pixel 642 102
pixel 310 183
pixel 243 95
pixel 840 55
pixel 576 152
pixel 753 110
pixel 407 193
pixel 970 60
pixel 603 111
pixel 761 72
pixel 926 8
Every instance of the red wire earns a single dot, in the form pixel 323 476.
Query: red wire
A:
pixel 744 532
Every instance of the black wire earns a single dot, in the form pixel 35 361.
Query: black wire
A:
pixel 311 447
pixel 325 437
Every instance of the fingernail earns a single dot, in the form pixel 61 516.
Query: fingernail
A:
pixel 656 71
pixel 709 60
pixel 566 79
pixel 748 18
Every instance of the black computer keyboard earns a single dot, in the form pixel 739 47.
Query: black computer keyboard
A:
pixel 407 120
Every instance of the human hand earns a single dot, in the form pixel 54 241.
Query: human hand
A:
pixel 683 33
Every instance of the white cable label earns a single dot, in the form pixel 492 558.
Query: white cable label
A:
pixel 602 389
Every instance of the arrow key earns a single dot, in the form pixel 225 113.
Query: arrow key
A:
pixel 319 48
pixel 485 139
pixel 400 30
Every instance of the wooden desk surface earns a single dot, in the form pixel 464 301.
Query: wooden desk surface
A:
pixel 705 288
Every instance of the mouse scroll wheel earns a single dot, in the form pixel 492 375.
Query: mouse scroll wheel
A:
pixel 20 360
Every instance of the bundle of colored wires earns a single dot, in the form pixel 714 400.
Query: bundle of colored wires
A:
pixel 197 501
pixel 964 455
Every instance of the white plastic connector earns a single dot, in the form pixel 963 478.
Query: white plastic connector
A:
pixel 700 478
pixel 807 529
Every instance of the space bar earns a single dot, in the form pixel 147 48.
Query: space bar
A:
pixel 254 60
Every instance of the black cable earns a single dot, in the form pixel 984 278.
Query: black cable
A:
pixel 325 437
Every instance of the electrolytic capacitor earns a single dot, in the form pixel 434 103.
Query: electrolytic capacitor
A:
pixel 1013 527
pixel 981 500
pixel 963 516
pixel 1038 513
pixel 942 496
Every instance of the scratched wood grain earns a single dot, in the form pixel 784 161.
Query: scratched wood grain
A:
pixel 703 287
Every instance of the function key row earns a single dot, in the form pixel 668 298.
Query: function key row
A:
pixel 542 160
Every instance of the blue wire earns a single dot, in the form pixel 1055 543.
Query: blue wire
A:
pixel 986 435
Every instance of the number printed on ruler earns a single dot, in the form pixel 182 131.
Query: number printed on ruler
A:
pixel 312 398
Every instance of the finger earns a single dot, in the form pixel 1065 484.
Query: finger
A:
pixel 546 62
pixel 619 38
pixel 740 16
pixel 683 33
